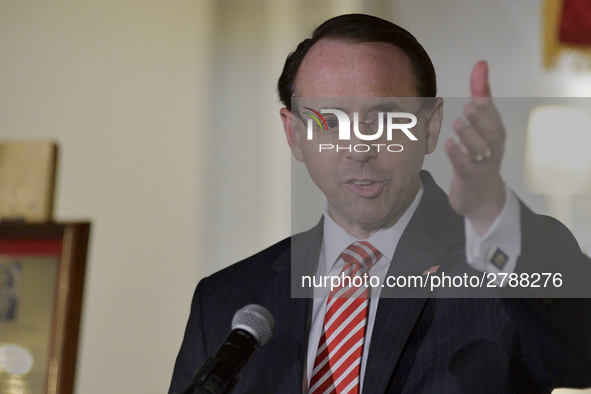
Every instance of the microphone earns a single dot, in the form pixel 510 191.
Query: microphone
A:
pixel 252 327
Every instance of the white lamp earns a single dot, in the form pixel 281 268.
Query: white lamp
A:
pixel 558 156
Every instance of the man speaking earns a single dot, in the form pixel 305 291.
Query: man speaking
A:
pixel 385 217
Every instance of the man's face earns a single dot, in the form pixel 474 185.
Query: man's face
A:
pixel 365 190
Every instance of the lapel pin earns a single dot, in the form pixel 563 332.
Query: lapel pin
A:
pixel 431 270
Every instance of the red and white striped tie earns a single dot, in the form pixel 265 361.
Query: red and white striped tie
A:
pixel 338 360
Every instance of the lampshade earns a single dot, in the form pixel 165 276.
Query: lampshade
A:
pixel 558 151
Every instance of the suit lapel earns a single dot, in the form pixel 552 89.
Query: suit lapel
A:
pixel 284 361
pixel 433 229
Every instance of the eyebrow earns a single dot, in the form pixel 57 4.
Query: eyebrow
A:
pixel 385 107
pixel 300 112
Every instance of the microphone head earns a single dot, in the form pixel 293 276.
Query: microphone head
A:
pixel 256 320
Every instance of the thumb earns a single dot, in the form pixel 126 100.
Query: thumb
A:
pixel 479 86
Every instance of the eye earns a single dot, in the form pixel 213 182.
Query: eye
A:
pixel 401 120
pixel 332 123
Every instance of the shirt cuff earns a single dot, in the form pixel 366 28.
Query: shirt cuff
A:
pixel 497 250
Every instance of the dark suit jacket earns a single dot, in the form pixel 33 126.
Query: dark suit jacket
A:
pixel 419 345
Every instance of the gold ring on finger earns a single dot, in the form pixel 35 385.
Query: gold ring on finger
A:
pixel 479 158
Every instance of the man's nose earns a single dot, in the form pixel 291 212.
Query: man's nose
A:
pixel 361 150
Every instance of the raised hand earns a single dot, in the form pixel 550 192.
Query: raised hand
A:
pixel 477 191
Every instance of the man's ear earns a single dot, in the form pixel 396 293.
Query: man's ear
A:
pixel 292 134
pixel 434 125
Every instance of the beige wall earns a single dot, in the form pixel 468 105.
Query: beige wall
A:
pixel 171 145
pixel 119 85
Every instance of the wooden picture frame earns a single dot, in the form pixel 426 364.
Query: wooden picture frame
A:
pixel 42 268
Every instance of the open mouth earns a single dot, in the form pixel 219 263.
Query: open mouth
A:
pixel 365 188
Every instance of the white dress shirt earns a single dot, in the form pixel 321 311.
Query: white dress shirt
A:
pixel 504 234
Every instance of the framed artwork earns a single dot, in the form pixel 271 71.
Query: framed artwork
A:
pixel 42 269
